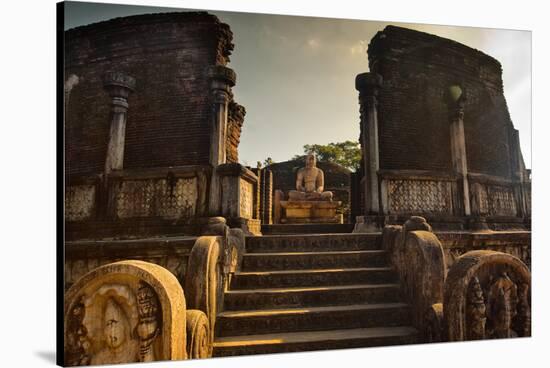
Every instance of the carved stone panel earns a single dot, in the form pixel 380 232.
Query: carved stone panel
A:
pixel 501 201
pixel 419 196
pixel 246 198
pixel 123 312
pixel 487 296
pixel 79 202
pixel 172 199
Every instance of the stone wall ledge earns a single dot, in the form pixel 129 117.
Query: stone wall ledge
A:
pixel 417 174
pixel 158 172
pixel 489 179
pixel 235 169
pixel 484 239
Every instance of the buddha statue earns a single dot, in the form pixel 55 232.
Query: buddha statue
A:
pixel 310 183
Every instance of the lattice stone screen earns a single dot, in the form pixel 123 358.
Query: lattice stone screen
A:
pixel 157 197
pixel 419 196
pixel 79 202
pixel 501 201
pixel 246 190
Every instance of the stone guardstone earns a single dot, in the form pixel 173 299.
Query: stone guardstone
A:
pixel 300 212
pixel 123 312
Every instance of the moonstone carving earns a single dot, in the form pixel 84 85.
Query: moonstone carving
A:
pixel 124 312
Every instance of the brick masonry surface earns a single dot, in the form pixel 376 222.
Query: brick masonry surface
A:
pixel 417 68
pixel 168 120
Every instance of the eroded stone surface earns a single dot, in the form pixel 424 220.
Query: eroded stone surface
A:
pixel 487 295
pixel 123 312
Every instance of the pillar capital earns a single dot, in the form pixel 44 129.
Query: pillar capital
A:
pixel 455 99
pixel 368 83
pixel 118 85
pixel 221 76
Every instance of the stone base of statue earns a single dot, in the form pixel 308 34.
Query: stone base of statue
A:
pixel 311 212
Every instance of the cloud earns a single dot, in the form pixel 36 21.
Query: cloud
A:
pixel 313 43
pixel 359 48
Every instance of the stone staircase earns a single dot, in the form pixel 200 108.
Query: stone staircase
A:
pixel 312 292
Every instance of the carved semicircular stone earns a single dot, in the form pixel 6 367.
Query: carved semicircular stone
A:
pixel 123 312
pixel 487 295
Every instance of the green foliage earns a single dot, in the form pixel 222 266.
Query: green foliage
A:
pixel 347 154
pixel 268 161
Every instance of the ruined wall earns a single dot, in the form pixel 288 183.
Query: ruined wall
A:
pixel 235 119
pixel 417 68
pixel 169 112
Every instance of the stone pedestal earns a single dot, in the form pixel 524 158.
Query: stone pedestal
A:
pixel 304 212
pixel 239 187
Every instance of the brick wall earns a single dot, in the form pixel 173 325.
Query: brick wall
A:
pixel 169 113
pixel 417 69
pixel 235 119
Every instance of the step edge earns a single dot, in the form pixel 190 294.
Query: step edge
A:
pixel 312 271
pixel 318 288
pixel 278 339
pixel 310 310
pixel 342 252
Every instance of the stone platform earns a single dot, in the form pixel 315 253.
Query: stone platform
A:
pixel 275 229
pixel 305 212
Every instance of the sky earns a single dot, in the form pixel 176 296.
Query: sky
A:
pixel 295 75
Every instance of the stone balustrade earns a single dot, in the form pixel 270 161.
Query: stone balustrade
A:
pixel 480 294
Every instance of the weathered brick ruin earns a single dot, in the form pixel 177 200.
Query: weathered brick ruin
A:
pixel 436 134
pixel 163 240
pixel 168 112
pixel 149 113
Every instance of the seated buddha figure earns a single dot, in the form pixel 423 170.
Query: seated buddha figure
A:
pixel 310 182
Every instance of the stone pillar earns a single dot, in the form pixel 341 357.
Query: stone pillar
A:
pixel 118 86
pixel 221 80
pixel 368 85
pixel 456 100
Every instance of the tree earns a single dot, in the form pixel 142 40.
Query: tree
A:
pixel 347 154
pixel 268 161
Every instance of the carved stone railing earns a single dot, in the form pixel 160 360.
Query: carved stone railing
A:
pixel 419 192
pixel 493 196
pixel 456 244
pixel 212 262
pixel 130 311
pixel 417 256
pixel 487 295
pixel 81 198
pixel 168 193
pixel 173 193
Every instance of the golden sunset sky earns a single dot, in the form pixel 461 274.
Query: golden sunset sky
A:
pixel 295 75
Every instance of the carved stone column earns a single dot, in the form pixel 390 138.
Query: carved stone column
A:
pixel 368 85
pixel 119 86
pixel 221 81
pixel 455 102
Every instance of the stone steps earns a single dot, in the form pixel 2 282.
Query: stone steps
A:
pixel 313 260
pixel 318 340
pixel 308 243
pixel 251 299
pixel 307 229
pixel 312 292
pixel 238 323
pixel 315 277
